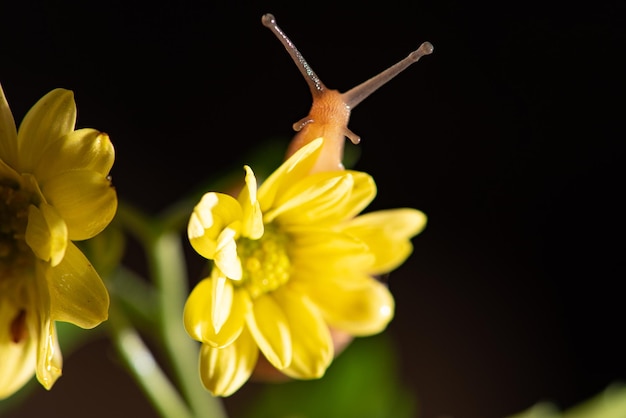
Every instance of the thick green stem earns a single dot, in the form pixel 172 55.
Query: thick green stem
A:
pixel 166 260
pixel 144 368
pixel 168 273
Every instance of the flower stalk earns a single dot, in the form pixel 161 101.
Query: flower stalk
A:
pixel 143 367
pixel 168 274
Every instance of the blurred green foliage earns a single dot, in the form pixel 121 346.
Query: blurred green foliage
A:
pixel 611 403
pixel 362 382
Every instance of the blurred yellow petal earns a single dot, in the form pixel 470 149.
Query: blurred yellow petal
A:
pixel 83 149
pixel 270 328
pixel 312 344
pixel 84 199
pixel 198 316
pixel 77 294
pixel 360 308
pixel 49 361
pixel 49 358
pixel 52 117
pixel 53 189
pixel 18 352
pixel 388 235
pixel 8 134
pixel 224 370
pixel 211 215
pixel 8 174
pixel 46 233
pixel 252 225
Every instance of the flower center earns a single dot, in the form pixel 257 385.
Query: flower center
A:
pixel 265 262
pixel 15 255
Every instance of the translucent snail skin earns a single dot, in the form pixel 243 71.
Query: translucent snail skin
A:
pixel 330 111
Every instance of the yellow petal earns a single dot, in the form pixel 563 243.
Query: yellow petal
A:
pixel 388 235
pixel 361 195
pixel 49 358
pixel 291 171
pixel 221 299
pixel 324 198
pixel 225 256
pixel 8 134
pixel 52 117
pixel 252 225
pixel 17 358
pixel 46 233
pixel 269 327
pixel 77 294
pixel 7 173
pixel 359 308
pixel 198 316
pixel 84 199
pixel 335 256
pixel 335 248
pixel 210 216
pixel 312 199
pixel 312 344
pixel 224 370
pixel 83 149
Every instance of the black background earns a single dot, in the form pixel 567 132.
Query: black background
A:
pixel 509 137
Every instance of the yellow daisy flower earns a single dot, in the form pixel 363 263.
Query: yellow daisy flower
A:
pixel 291 262
pixel 54 189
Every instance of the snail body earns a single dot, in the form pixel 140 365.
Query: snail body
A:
pixel 330 111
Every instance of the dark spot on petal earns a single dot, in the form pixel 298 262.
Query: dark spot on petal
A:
pixel 19 331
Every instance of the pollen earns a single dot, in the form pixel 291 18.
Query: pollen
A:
pixel 265 262
pixel 15 255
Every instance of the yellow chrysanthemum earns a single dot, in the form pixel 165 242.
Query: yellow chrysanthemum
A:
pixel 290 262
pixel 54 189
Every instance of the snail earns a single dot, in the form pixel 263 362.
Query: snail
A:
pixel 328 118
pixel 330 111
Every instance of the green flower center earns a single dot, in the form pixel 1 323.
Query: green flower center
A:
pixel 15 255
pixel 265 262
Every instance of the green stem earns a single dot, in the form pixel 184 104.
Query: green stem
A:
pixel 143 367
pixel 166 260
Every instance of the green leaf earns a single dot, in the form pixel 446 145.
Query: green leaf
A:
pixel 362 382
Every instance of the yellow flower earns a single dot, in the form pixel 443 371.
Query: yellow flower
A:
pixel 290 262
pixel 54 190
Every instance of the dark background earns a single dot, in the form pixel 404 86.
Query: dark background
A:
pixel 509 137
